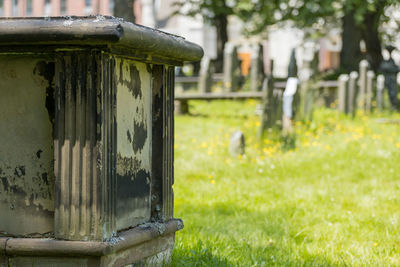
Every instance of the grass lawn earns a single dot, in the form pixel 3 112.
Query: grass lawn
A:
pixel 332 201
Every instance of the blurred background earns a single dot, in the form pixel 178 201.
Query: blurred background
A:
pixel 331 34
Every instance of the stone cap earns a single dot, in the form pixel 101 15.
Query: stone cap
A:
pixel 96 31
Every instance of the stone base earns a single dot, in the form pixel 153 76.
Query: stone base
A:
pixel 146 245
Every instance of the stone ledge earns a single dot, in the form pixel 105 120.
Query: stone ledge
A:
pixel 53 247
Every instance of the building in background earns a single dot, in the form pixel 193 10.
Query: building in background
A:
pixel 37 8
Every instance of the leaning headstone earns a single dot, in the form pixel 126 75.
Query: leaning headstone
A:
pixel 362 82
pixel 380 85
pixel 343 93
pixel 231 68
pixel 352 92
pixel 368 94
pixel 257 68
pixel 237 143
pixel 205 77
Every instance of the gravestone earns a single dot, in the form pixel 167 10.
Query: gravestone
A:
pixel 369 92
pixel 87 141
pixel 352 93
pixel 390 70
pixel 343 93
pixel 237 144
pixel 205 77
pixel 380 85
pixel 362 83
pixel 267 115
pixel 289 93
pixel 232 72
pixel 257 74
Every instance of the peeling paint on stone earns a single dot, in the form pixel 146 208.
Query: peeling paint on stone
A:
pixel 133 142
pixel 26 159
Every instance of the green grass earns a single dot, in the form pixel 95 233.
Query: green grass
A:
pixel 332 201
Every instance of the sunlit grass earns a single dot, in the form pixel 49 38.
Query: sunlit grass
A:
pixel 333 200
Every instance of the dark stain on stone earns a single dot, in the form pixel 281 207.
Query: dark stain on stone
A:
pixel 47 71
pixel 44 178
pixel 16 190
pixel 19 171
pixel 129 136
pixel 121 71
pixel 5 183
pixel 38 153
pixel 135 84
pixel 139 136
pixel 136 188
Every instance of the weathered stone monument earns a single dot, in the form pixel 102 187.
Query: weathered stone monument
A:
pixel 87 141
pixel 343 93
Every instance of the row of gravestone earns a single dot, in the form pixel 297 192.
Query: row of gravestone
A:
pixel 232 77
pixel 356 90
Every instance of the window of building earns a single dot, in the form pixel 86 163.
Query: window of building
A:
pixel 14 8
pixel 63 7
pixel 1 8
pixel 88 7
pixel 47 7
pixel 28 7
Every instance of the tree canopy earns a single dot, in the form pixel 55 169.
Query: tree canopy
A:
pixel 358 19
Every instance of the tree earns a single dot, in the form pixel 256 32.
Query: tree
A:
pixel 124 9
pixel 216 13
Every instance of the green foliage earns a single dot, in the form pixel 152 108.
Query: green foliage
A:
pixel 208 9
pixel 333 201
pixel 316 14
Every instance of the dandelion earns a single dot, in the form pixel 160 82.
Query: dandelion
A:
pixel 203 144
pixel 375 244
pixel 213 181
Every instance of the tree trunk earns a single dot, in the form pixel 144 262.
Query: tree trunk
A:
pixel 221 24
pixel 371 38
pixel 124 9
pixel 350 55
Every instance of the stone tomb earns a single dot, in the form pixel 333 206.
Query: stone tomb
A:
pixel 86 147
